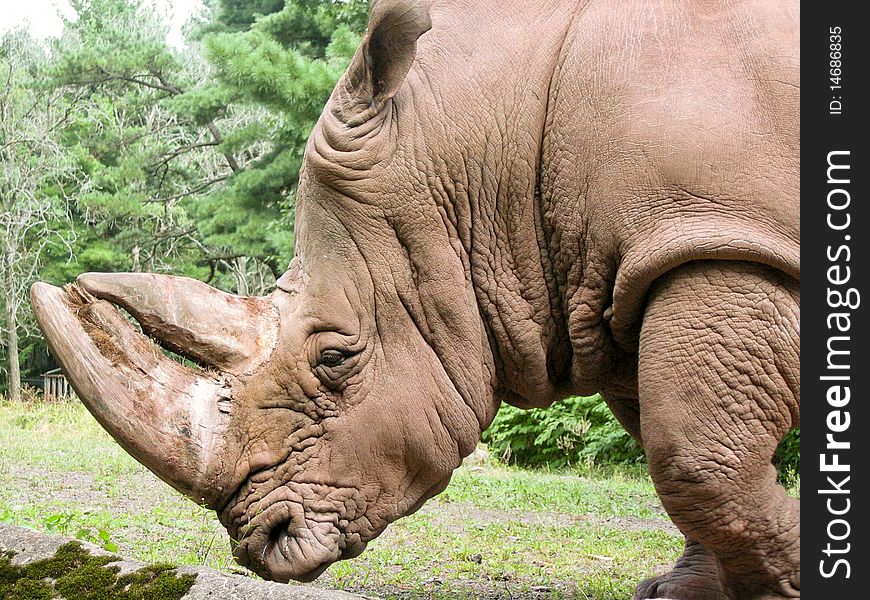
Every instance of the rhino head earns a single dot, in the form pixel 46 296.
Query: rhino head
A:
pixel 311 418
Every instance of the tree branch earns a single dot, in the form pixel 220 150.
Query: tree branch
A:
pixel 195 190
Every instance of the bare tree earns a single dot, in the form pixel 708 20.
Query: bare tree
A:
pixel 36 174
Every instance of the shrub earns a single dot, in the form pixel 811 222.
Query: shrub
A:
pixel 583 430
pixel 788 458
pixel 574 430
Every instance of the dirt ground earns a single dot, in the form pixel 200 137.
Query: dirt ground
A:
pixel 142 511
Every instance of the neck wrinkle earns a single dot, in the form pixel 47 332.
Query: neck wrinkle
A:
pixel 489 197
pixel 477 103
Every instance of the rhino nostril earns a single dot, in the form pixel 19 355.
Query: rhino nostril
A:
pixel 279 538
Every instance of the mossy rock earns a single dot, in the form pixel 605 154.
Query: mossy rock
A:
pixel 74 574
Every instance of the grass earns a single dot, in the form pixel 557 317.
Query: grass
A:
pixel 495 531
pixel 611 492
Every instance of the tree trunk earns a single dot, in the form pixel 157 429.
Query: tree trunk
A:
pixel 241 269
pixel 11 322
pixel 136 266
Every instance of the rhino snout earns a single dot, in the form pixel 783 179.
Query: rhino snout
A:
pixel 295 531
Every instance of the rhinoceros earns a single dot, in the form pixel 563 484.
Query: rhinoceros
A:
pixel 501 202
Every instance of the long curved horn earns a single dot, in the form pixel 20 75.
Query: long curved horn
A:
pixel 169 417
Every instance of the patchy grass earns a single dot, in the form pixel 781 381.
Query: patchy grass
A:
pixel 494 533
pixel 610 492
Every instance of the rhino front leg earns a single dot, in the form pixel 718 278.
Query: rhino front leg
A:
pixel 719 381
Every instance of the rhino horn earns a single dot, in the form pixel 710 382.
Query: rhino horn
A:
pixel 231 333
pixel 172 418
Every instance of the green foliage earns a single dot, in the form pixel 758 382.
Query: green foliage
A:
pixel 74 574
pixel 583 430
pixel 238 15
pixel 141 160
pixel 97 535
pixel 573 431
pixel 284 65
pixel 64 522
pixel 788 458
pixel 38 176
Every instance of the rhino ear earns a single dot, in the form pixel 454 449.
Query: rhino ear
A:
pixel 385 55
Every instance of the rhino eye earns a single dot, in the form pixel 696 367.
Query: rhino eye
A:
pixel 331 358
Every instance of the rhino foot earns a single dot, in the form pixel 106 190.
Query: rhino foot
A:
pixel 695 577
pixel 678 585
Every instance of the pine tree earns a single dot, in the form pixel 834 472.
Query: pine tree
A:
pixel 285 65
pixel 147 159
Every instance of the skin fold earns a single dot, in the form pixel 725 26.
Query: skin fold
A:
pixel 501 202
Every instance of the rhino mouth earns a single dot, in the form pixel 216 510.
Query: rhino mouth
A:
pixel 301 555
pixel 287 542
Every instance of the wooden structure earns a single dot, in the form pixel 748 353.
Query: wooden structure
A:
pixel 55 386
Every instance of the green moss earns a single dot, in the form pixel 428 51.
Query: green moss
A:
pixel 73 574
pixel 156 581
pixel 69 558
pixel 88 582
pixel 9 573
pixel 29 589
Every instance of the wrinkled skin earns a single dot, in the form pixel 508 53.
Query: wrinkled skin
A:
pixel 499 203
